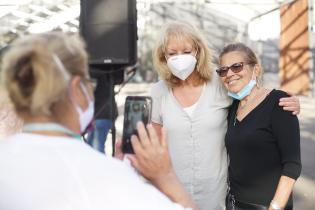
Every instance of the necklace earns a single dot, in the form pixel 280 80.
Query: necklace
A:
pixel 234 123
pixel 30 127
pixel 251 102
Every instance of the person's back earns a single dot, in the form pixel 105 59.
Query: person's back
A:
pixel 105 109
pixel 44 173
pixel 48 166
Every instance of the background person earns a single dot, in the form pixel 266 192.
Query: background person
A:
pixel 48 166
pixel 191 103
pixel 262 140
pixel 105 112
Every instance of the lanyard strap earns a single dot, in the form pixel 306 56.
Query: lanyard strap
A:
pixel 29 127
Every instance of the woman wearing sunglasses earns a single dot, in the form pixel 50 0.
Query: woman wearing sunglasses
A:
pixel 262 140
pixel 191 103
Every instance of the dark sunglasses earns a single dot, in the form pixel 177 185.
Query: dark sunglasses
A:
pixel 235 68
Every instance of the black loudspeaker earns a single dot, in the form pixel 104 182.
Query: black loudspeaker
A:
pixel 109 28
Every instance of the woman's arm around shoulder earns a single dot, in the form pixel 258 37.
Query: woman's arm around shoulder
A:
pixel 290 103
pixel 286 129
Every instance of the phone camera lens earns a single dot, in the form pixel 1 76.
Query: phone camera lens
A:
pixel 136 107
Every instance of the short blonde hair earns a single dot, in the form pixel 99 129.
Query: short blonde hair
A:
pixel 183 31
pixel 37 68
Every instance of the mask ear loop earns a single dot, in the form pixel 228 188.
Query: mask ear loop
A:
pixel 166 59
pixel 196 53
pixel 197 63
pixel 85 91
pixel 61 67
pixel 66 75
pixel 77 107
pixel 257 82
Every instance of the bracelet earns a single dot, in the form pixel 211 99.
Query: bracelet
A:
pixel 274 205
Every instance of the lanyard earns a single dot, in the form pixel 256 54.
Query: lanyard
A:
pixel 29 127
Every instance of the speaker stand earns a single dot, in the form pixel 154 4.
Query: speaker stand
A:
pixel 114 104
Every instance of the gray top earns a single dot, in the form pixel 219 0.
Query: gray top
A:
pixel 196 143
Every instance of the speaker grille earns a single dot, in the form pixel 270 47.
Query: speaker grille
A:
pixel 110 30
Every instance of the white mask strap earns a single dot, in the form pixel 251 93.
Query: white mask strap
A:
pixel 87 96
pixel 61 67
pixel 85 91
pixel 196 53
pixel 254 78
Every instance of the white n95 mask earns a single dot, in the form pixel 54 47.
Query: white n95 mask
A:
pixel 85 116
pixel 182 65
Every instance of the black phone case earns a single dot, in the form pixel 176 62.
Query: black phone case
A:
pixel 137 108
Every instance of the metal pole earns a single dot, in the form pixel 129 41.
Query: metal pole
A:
pixel 113 105
pixel 311 44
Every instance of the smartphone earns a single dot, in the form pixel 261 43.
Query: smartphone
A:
pixel 137 108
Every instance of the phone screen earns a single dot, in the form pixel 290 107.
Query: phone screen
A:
pixel 137 108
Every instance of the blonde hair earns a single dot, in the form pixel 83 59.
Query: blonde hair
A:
pixel 37 68
pixel 183 31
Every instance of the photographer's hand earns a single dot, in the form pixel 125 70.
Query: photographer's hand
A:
pixel 153 161
pixel 118 151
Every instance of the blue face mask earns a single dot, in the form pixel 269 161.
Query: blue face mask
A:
pixel 244 92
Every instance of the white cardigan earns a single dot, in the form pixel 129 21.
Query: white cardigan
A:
pixel 196 143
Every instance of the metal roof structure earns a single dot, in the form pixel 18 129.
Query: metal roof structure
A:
pixel 247 10
pixel 18 17
pixel 34 16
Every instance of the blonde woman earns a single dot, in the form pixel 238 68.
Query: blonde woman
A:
pixel 191 104
pixel 48 166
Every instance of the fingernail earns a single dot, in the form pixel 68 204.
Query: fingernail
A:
pixel 139 123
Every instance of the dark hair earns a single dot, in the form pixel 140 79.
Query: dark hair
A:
pixel 250 56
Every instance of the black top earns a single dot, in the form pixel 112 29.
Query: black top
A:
pixel 262 147
pixel 105 106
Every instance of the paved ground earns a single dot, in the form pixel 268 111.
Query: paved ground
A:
pixel 305 186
